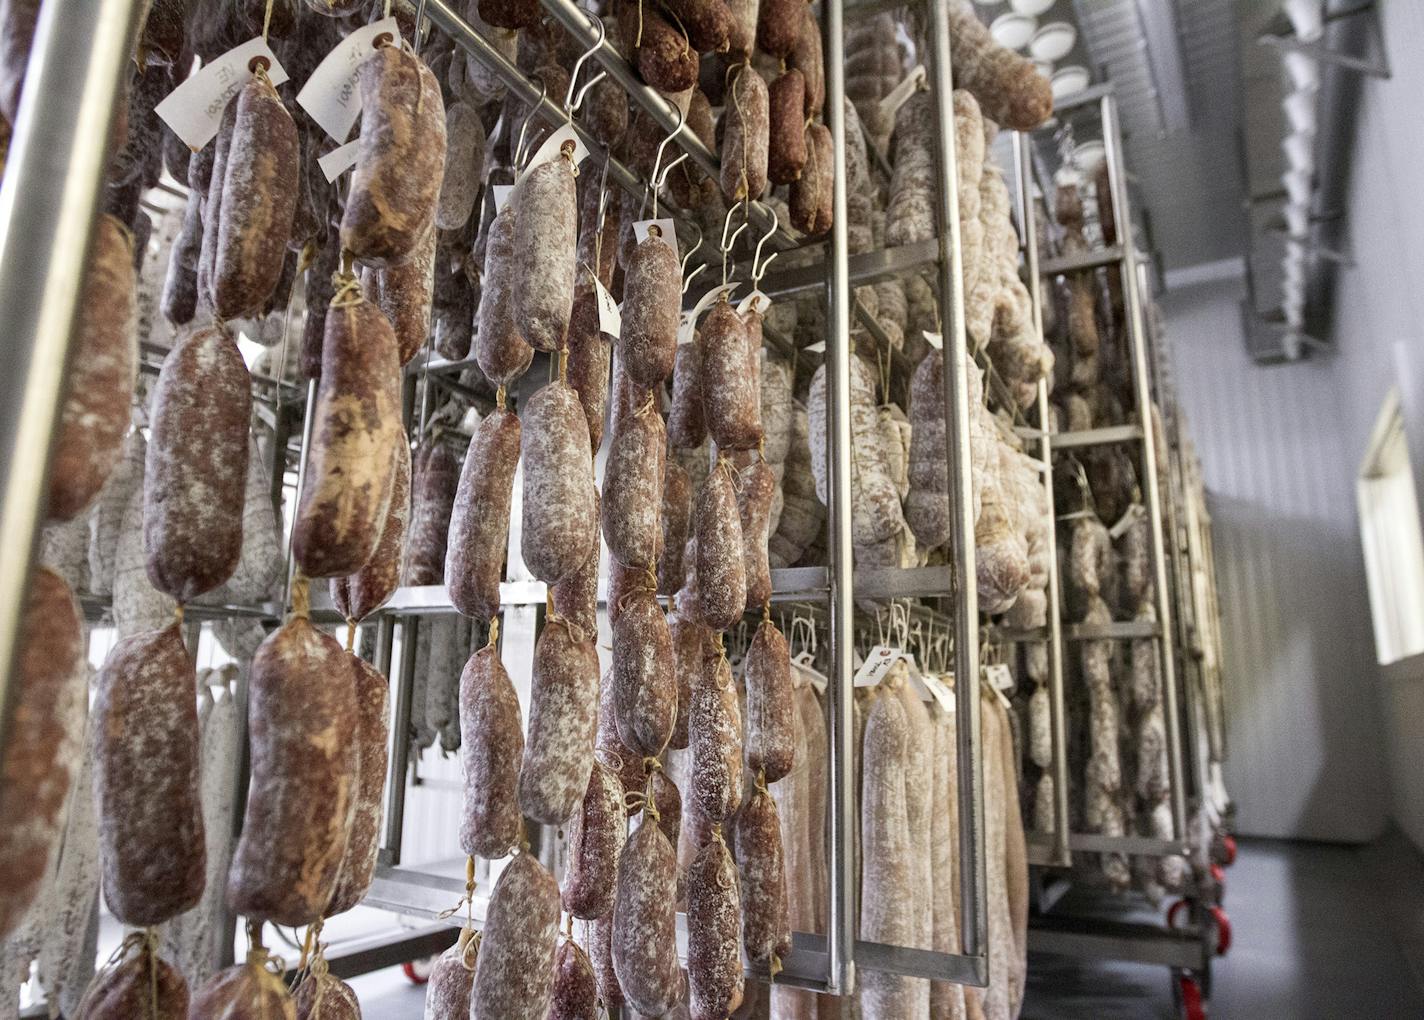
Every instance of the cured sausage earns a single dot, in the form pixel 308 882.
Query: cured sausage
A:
pixel 590 358
pixel 721 571
pixel 560 523
pixel 644 937
pixel 500 348
pixel 491 746
pixel 304 784
pixel 622 760
pixel 744 142
pixel 632 488
pixel 140 985
pixel 95 413
pixel 706 22
pixel 778 25
pixel 758 489
pixel 146 779
pixel 652 304
pixel 563 705
pixel 576 594
pixel 355 428
pixel 436 478
pixel 216 173
pixel 326 998
pixel 452 979
pixel 714 732
pixel 807 57
pixel 479 521
pixel 595 841
pixel 38 761
pixel 644 687
pixel 365 591
pixel 689 642
pixel 714 963
pixel 761 869
pixel 196 468
pixel 786 145
pixel 575 986
pixel 404 292
pixel 515 970
pixel 731 395
pixel 358 864
pixel 686 425
pixel 259 196
pixel 464 161
pixel 771 704
pixel 545 207
pixel 396 183
pixel 676 516
pixel 598 943
pixel 664 58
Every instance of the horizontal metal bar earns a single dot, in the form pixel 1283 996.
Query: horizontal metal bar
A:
pixel 377 952
pixel 96 607
pixel 922 963
pixel 1137 846
pixel 1096 437
pixel 1079 261
pixel 421 894
pixel 1091 94
pixel 1104 939
pixel 1325 55
pixel 868 267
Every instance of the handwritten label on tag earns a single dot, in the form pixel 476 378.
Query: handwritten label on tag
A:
pixel 610 320
pixel 1124 522
pixel 332 96
pixel 935 340
pixel 667 232
pixel 939 691
pixel 1000 677
pixel 900 94
pixel 805 665
pixel 878 662
pixel 501 195
pixel 686 329
pixel 550 150
pixel 339 160
pixel 194 109
pixel 755 300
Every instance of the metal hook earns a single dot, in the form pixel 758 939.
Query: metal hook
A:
pixel 687 278
pixel 524 125
pixel 655 181
pixel 758 266
pixel 727 242
pixel 573 101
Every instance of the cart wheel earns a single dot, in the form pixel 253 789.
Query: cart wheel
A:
pixel 1173 911
pixel 1189 997
pixel 1218 875
pixel 418 971
pixel 1223 849
pixel 1223 930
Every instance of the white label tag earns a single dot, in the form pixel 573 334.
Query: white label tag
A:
pixel 688 326
pixel 1124 522
pixel 939 691
pixel 686 329
pixel 935 340
pixel 755 300
pixel 610 320
pixel 819 347
pixel 501 195
pixel 332 96
pixel 1000 677
pixel 194 109
pixel 898 96
pixel 667 232
pixel 550 150
pixel 339 160
pixel 804 664
pixel 877 663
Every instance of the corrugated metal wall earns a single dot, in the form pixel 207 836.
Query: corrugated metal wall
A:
pixel 1303 726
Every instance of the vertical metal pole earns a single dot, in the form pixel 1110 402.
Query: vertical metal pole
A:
pixel 1028 223
pixel 308 424
pixel 1112 144
pixel 48 201
pixel 396 766
pixel 844 915
pixel 973 885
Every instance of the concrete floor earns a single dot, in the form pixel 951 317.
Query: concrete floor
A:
pixel 1320 933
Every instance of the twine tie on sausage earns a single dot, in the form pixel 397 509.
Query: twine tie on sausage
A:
pixel 493 632
pixel 267 20
pixel 348 287
pixel 638 37
pixel 469 948
pixel 499 397
pixel 178 613
pixel 466 901
pixel 564 363
pixel 301 597
pixel 350 633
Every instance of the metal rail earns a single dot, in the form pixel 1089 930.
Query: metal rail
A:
pixel 48 203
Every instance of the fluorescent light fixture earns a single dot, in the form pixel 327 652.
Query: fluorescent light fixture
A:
pixel 1012 31
pixel 1069 81
pixel 1307 18
pixel 1053 41
pixel 1297 220
pixel 1300 111
pixel 1032 8
pixel 1300 151
pixel 1299 185
pixel 1303 71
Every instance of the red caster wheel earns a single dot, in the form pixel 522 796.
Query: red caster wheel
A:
pixel 418 971
pixel 1228 844
pixel 1223 930
pixel 1218 875
pixel 1174 911
pixel 1189 998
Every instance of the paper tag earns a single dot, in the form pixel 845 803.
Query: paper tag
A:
pixel 194 109
pixel 688 326
pixel 755 300
pixel 1124 522
pixel 1000 677
pixel 935 340
pixel 686 329
pixel 877 663
pixel 917 681
pixel 897 97
pixel 805 664
pixel 550 150
pixel 667 232
pixel 610 320
pixel 501 195
pixel 939 691
pixel 819 347
pixel 331 95
pixel 338 161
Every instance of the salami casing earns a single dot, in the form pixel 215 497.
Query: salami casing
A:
pixel 326 998
pixel 761 868
pixel 452 979
pixel 758 489
pixel 590 358
pixel 676 515
pixel 721 570
pixel 491 746
pixel 479 522
pixel 95 413
pixel 786 146
pixel 560 522
pixel 501 350
pixel 632 488
pixel 139 985
pixel 645 923
pixel 302 798
pixel 435 478
pixel 622 760
pixel 744 143
pixel 596 837
pixel 365 591
pixel 575 986
pixel 652 304
pixel 690 640
pixel 714 733
pixel 645 690
pixel 355 430
pixel 771 704
pixel 545 207
pixel 196 468
pixel 404 291
pixel 714 961
pixel 731 396
pixel 146 779
pixel 686 426
pixel 563 716
pixel 358 864
pixel 515 971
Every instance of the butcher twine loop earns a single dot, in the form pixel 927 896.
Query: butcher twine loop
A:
pixel 301 597
pixel 469 948
pixel 350 633
pixel 267 20
pixel 348 287
pixel 493 632
pixel 500 395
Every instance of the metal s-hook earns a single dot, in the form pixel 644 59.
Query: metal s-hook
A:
pixel 518 155
pixel 659 175
pixel 686 278
pixel 758 266
pixel 728 242
pixel 573 100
